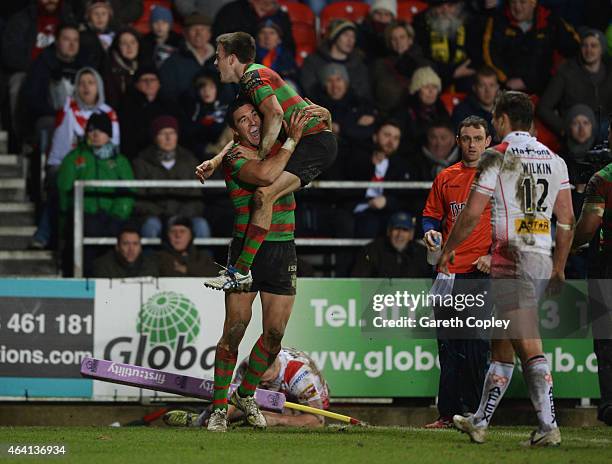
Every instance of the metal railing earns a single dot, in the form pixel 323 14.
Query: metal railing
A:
pixel 79 194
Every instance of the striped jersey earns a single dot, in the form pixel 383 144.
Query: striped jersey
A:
pixel 599 190
pixel 259 83
pixel 523 178
pixel 446 199
pixel 283 217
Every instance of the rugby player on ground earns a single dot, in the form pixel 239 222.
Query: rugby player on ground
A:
pixel 276 101
pixel 527 183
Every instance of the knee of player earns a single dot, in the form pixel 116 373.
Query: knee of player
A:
pixel 262 197
pixel 235 334
pixel 273 338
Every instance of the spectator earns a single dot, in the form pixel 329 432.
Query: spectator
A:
pixel 339 47
pixel 245 15
pixel 205 132
pixel 580 136
pixel 51 81
pixel 209 7
pixel 519 43
pixel 124 58
pixel 451 40
pixel 391 75
pixel 272 53
pixel 585 79
pixel 374 206
pixel 127 259
pixel 481 100
pixel 88 98
pixel 97 158
pixel 438 152
pixel 166 160
pixel 195 55
pixel 396 255
pixel 372 30
pixel 98 33
pixel 179 256
pixel 141 105
pixel 353 118
pixel 125 11
pixel 25 36
pixel 422 107
pixel 162 41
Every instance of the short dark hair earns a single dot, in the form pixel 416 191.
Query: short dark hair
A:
pixel 389 122
pixel 128 229
pixel 441 122
pixel 66 25
pixel 473 121
pixel 517 106
pixel 237 103
pixel 485 71
pixel 240 44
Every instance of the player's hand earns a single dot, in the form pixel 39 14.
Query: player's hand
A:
pixel 556 283
pixel 483 264
pixel 296 125
pixel 318 111
pixel 433 240
pixel 445 258
pixel 205 170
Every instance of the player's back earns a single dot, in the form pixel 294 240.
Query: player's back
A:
pixel 524 177
pixel 260 82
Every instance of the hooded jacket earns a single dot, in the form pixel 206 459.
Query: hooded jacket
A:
pixel 113 265
pixel 72 118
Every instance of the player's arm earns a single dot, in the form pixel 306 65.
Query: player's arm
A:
pixel 272 113
pixel 207 168
pixel 466 222
pixel 264 172
pixel 592 212
pixel 298 420
pixel 563 238
pixel 320 112
pixel 433 213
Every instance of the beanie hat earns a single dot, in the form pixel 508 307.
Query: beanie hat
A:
pixel 145 69
pixel 388 5
pixel 272 24
pixel 573 147
pixel 592 32
pixel 195 19
pixel 163 122
pixel 161 13
pixel 179 221
pixel 101 122
pixel 422 77
pixel 332 69
pixel 581 109
pixel 337 27
pixel 91 4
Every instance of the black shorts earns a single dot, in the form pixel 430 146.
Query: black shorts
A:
pixel 314 154
pixel 274 268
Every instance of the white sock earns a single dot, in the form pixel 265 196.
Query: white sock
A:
pixel 495 385
pixel 540 385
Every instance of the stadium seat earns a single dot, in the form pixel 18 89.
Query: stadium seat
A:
pixel 353 11
pixel 303 24
pixel 543 133
pixel 407 9
pixel 301 52
pixel 452 99
pixel 142 24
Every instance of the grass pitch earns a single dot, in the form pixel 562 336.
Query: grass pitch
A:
pixel 93 445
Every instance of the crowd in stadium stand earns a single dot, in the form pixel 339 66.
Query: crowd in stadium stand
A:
pixel 397 75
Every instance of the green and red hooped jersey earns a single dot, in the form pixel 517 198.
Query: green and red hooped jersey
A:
pixel 599 190
pixel 282 228
pixel 259 83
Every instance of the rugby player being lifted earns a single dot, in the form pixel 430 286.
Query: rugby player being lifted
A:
pixel 276 101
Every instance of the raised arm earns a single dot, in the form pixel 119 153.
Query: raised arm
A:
pixel 272 122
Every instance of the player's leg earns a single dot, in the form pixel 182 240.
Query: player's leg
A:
pixel 495 385
pixel 238 310
pixel 260 220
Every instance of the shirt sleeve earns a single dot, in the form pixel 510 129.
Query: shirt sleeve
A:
pixel 594 192
pixel 434 206
pixel 303 385
pixel 256 87
pixel 563 175
pixel 488 172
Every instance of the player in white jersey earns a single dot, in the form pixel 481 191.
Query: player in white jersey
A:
pixel 527 183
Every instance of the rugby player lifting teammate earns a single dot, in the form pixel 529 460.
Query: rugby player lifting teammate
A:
pixel 276 101
pixel 527 184
pixel 274 268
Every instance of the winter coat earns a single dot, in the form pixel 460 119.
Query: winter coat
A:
pixel 202 123
pixel 198 263
pixel 90 45
pixel 471 107
pixel 112 265
pixel 82 164
pixel 167 202
pixel 571 85
pixel 283 61
pixel 380 259
pixel 178 71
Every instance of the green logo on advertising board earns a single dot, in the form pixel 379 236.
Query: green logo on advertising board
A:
pixel 167 315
